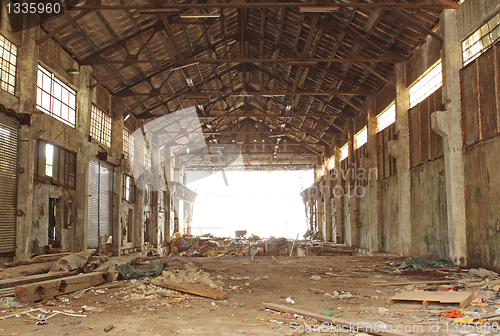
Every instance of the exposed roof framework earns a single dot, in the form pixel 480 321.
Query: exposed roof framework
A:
pixel 279 79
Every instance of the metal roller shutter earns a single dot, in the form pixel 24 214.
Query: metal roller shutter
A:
pixel 8 181
pixel 99 202
pixel 93 205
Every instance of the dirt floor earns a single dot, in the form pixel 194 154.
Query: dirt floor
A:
pixel 345 288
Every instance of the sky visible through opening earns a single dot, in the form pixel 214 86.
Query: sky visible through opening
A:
pixel 260 202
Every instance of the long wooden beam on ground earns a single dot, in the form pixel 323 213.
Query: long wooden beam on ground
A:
pixel 46 289
pixel 33 278
pixel 327 319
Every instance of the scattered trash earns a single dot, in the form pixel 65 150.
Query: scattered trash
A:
pixel 315 277
pixel 383 311
pixel 468 320
pixel 452 313
pixel 41 322
pixel 153 269
pixel 289 300
pixel 108 328
pixel 420 264
pixel 328 313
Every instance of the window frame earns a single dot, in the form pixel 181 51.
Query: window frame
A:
pixel 54 83
pixel 423 84
pixel 476 38
pixel 9 49
pixel 128 146
pixel 63 166
pixel 130 191
pixel 387 112
pixel 101 125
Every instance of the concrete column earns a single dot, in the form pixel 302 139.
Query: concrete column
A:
pixel 327 227
pixel 140 184
pixel 448 124
pixel 353 234
pixel 177 177
pixel 116 149
pixel 155 176
pixel 371 166
pixel 338 231
pixel 319 199
pixel 167 206
pixel 400 149
pixel 27 63
pixel 86 152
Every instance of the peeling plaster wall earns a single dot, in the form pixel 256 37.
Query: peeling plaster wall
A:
pixel 429 220
pixel 482 199
pixel 388 214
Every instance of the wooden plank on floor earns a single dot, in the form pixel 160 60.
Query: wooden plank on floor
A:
pixel 326 319
pixel 32 278
pixel 462 298
pixel 193 288
pixel 427 282
pixel 47 289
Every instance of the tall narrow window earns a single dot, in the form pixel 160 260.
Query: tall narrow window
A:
pixel 482 39
pixel 344 152
pixel 332 162
pixel 128 145
pixel 128 188
pixel 100 126
pixel 427 85
pixel 361 137
pixel 387 117
pixel 8 57
pixel 55 98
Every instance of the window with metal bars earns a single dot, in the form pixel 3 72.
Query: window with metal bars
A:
pixel 128 145
pixel 481 40
pixel 8 59
pixel 55 98
pixel 100 126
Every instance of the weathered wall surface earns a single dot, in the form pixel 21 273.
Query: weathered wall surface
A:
pixel 388 214
pixel 482 197
pixel 364 229
pixel 429 223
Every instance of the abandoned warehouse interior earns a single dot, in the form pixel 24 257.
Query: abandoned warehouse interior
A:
pixel 110 109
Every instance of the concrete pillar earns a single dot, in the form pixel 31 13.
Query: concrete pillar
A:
pixel 448 124
pixel 352 234
pixel 177 177
pixel 338 231
pixel 27 64
pixel 319 199
pixel 370 167
pixel 166 155
pixel 327 227
pixel 140 184
pixel 116 149
pixel 155 176
pixel 400 149
pixel 86 152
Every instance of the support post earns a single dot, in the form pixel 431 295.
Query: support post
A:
pixel 448 124
pixel 400 149
pixel 371 166
pixel 338 231
pixel 327 191
pixel 353 235
pixel 116 149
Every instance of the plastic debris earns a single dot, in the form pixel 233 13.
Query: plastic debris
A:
pixel 289 300
pixel 452 313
